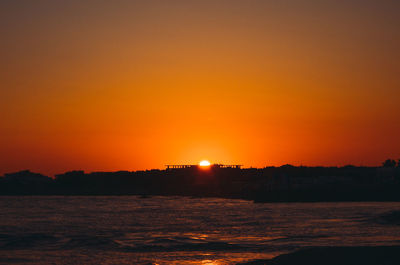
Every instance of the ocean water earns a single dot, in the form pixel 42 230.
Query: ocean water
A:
pixel 180 230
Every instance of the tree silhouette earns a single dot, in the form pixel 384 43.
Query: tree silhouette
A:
pixel 389 163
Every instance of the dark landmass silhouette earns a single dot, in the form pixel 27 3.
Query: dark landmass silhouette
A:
pixel 390 218
pixel 378 255
pixel 270 184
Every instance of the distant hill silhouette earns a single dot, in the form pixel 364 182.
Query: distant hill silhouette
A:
pixel 269 184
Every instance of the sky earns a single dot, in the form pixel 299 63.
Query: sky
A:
pixel 134 85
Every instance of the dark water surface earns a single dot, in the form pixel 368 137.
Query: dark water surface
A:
pixel 180 230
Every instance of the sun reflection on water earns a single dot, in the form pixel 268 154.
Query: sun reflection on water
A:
pixel 209 262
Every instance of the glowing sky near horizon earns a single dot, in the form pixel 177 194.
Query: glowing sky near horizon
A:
pixel 130 85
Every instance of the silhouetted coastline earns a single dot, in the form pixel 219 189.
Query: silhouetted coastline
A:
pixel 382 255
pixel 271 184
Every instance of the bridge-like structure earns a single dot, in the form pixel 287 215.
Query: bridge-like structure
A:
pixel 180 166
pixel 197 166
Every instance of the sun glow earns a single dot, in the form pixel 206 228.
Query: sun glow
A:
pixel 204 163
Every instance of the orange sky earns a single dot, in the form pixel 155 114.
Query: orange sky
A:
pixel 130 85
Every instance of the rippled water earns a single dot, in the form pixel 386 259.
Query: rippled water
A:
pixel 179 230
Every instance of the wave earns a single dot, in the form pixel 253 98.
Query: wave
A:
pixel 389 218
pixel 26 241
pixel 42 241
pixel 7 260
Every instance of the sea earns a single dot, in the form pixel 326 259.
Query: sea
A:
pixel 180 230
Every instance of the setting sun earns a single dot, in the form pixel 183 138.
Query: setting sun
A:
pixel 204 163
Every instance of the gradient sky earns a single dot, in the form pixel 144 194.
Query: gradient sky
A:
pixel 130 85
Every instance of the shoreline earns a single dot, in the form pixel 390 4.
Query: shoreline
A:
pixel 366 255
pixel 147 196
